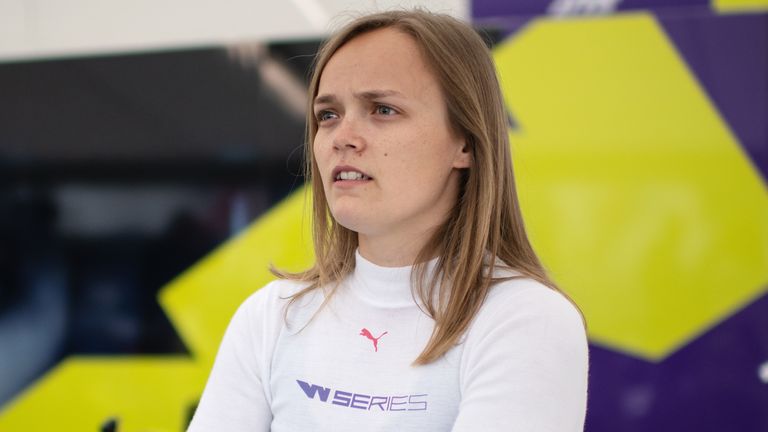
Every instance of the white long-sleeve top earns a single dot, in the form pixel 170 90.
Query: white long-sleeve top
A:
pixel 521 366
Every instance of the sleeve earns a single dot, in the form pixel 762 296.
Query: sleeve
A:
pixel 234 398
pixel 525 366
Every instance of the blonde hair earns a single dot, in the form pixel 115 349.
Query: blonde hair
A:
pixel 484 225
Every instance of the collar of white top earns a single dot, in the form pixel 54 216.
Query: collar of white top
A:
pixel 384 286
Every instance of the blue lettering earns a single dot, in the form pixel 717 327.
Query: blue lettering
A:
pixel 413 400
pixel 357 399
pixel 341 398
pixel 379 401
pixel 310 390
pixel 393 403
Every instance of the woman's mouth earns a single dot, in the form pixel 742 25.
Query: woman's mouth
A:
pixel 351 175
pixel 343 174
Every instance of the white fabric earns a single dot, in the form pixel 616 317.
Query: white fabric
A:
pixel 521 366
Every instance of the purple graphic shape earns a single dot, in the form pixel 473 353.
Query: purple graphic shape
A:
pixel 482 9
pixel 663 5
pixel 311 390
pixel 497 8
pixel 710 385
pixel 728 54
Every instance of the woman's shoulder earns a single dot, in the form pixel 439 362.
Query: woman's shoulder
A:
pixel 528 337
pixel 522 301
pixel 523 315
pixel 267 306
pixel 280 288
pixel 274 295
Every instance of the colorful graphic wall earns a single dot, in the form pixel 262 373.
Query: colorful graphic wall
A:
pixel 639 135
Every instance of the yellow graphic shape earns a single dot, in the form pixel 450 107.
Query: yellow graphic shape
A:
pixel 156 393
pixel 82 393
pixel 201 301
pixel 740 5
pixel 636 194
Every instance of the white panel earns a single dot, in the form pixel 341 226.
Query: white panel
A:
pixel 55 28
pixel 60 28
pixel 344 10
pixel 13 24
pixel 458 8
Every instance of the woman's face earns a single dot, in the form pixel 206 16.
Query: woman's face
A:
pixel 388 158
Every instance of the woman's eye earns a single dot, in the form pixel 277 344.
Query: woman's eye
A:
pixel 385 110
pixel 324 115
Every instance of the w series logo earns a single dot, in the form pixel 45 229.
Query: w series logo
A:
pixel 414 402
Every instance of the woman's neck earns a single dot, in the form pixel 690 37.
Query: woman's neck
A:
pixel 392 251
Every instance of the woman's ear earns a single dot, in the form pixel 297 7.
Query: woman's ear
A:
pixel 463 156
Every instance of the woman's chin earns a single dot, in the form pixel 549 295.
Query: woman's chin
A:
pixel 349 220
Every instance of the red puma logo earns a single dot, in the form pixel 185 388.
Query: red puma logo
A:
pixel 366 333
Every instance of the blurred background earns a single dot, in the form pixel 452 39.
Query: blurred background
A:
pixel 150 171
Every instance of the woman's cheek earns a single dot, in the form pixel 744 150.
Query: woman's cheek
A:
pixel 321 158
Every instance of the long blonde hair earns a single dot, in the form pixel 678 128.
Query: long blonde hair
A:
pixel 484 225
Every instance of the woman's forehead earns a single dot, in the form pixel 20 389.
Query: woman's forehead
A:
pixel 380 59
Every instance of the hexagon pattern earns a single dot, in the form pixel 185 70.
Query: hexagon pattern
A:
pixel 635 192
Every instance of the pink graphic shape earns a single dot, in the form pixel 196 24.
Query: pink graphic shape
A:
pixel 375 340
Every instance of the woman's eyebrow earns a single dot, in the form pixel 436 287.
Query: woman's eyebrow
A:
pixel 375 94
pixel 324 99
pixel 364 95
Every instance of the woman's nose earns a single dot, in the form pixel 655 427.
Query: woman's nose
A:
pixel 348 136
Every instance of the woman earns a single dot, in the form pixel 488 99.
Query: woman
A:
pixel 427 309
